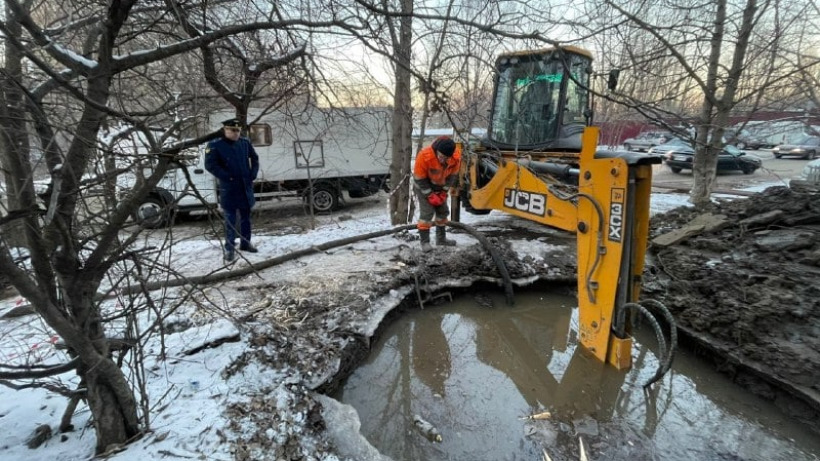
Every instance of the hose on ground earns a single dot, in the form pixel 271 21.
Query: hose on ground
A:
pixel 252 268
pixel 499 261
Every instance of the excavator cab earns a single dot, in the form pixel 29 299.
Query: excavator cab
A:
pixel 541 100
pixel 540 161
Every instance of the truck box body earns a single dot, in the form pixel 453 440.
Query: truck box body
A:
pixel 320 143
pixel 315 153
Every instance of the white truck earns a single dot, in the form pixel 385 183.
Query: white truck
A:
pixel 314 154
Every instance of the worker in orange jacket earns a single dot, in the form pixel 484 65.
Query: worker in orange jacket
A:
pixel 435 171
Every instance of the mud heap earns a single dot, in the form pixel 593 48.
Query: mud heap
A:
pixel 741 277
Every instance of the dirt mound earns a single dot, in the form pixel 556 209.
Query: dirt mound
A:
pixel 746 282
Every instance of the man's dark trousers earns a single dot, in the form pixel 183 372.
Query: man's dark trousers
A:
pixel 244 215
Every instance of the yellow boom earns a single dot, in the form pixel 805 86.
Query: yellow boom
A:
pixel 608 210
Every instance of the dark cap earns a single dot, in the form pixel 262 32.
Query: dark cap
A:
pixel 232 123
pixel 445 146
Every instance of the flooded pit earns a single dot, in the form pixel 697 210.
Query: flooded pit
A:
pixel 474 372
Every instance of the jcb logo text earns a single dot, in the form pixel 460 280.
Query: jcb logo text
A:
pixel 528 202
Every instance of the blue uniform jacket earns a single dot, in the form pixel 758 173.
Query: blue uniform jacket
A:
pixel 235 164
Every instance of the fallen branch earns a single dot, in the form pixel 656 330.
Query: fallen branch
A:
pixel 40 372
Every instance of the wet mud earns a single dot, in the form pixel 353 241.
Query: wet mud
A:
pixel 746 293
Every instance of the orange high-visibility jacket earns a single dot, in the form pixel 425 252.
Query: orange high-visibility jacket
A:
pixel 430 175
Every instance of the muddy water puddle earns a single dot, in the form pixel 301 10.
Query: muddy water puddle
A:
pixel 474 373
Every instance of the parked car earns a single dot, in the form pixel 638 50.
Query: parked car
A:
pixel 743 139
pixel 806 147
pixel 730 159
pixel 811 172
pixel 671 145
pixel 647 140
pixel 809 179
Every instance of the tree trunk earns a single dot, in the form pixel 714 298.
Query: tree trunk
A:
pixel 115 420
pixel 14 142
pixel 715 112
pixel 400 170
pixel 704 165
pixel 113 406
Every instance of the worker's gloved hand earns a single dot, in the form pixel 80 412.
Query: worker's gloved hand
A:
pixel 437 199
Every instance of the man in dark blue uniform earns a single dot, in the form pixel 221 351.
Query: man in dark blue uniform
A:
pixel 235 164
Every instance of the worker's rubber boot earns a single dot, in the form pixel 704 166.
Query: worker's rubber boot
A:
pixel 441 237
pixel 424 235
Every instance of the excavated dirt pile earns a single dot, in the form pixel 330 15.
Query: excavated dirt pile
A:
pixel 741 278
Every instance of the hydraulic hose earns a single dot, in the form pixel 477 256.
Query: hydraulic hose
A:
pixel 673 330
pixel 656 327
pixel 601 247
pixel 499 261
pixel 665 354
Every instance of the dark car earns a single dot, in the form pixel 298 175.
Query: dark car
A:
pixel 730 159
pixel 807 147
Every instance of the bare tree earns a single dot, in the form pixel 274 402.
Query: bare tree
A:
pixel 699 64
pixel 53 57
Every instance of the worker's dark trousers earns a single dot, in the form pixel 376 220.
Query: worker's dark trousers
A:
pixel 244 215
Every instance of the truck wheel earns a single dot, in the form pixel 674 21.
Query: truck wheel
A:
pixel 325 198
pixel 152 213
pixel 675 169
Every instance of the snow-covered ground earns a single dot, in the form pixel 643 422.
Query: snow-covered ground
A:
pixel 190 393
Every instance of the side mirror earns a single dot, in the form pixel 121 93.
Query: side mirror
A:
pixel 612 81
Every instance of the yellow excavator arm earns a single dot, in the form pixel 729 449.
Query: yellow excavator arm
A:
pixel 608 211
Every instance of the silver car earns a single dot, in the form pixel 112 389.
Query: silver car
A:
pixel 647 140
pixel 806 147
pixel 669 146
pixel 809 179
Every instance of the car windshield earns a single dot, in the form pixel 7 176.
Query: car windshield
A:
pixel 677 142
pixel 732 149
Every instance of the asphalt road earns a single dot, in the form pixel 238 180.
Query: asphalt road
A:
pixel 773 171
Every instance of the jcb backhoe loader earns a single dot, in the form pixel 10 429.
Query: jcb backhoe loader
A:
pixel 540 161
